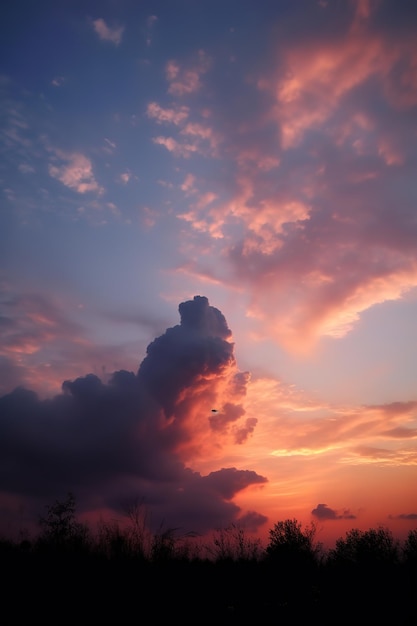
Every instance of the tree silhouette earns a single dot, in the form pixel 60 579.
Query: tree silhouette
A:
pixel 375 547
pixel 288 542
pixel 410 558
pixel 410 547
pixel 364 567
pixel 60 529
pixel 292 569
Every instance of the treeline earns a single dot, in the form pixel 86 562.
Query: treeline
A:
pixel 125 574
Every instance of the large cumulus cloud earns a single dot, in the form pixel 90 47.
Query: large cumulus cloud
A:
pixel 129 438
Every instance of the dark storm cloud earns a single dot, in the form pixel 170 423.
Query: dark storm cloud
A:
pixel 323 512
pixel 114 442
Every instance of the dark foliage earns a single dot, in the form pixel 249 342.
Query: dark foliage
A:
pixel 125 575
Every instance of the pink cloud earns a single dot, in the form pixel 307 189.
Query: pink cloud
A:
pixel 202 132
pixel 113 34
pixel 125 177
pixel 192 137
pixel 317 79
pixel 332 264
pixel 76 172
pixel 188 184
pixel 310 211
pixel 184 150
pixel 200 139
pixel 183 81
pixel 319 76
pixel 172 70
pixel 205 200
pixel 175 115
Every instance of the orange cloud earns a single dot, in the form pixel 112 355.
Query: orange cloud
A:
pixel 292 423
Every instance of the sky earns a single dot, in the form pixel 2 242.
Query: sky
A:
pixel 208 262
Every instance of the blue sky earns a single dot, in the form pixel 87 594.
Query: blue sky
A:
pixel 259 154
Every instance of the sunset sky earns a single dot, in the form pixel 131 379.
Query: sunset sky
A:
pixel 208 262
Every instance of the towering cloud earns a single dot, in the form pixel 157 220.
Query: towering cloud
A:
pixel 131 438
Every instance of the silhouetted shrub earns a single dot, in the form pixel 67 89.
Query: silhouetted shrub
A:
pixel 233 544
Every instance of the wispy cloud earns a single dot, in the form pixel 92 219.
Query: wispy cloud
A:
pixel 25 168
pixel 58 81
pixel 302 426
pixel 385 457
pixel 150 25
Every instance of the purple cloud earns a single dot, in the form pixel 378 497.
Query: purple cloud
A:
pixel 118 441
pixel 324 512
